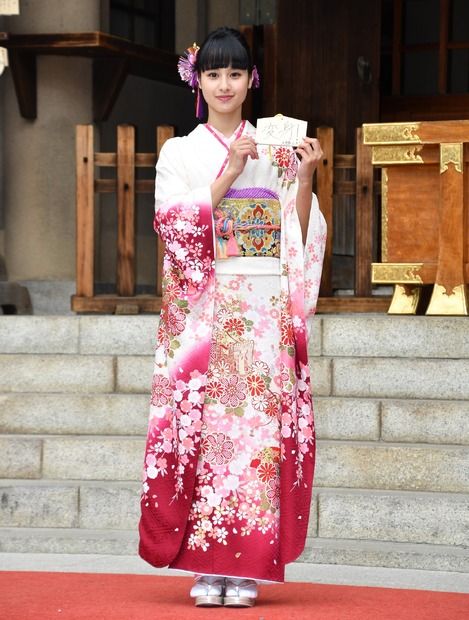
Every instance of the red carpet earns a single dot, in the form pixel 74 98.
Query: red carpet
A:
pixel 77 596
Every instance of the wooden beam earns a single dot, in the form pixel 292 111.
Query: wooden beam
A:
pixel 353 304
pixel 126 210
pixel 108 78
pixel 109 304
pixel 144 60
pixel 24 73
pixel 114 58
pixel 364 225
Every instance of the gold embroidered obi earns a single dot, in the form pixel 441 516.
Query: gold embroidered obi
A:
pixel 248 225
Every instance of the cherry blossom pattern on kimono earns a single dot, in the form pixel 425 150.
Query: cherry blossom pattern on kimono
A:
pixel 179 379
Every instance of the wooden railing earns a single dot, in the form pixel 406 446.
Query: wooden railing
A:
pixel 364 190
pixel 329 186
pixel 126 186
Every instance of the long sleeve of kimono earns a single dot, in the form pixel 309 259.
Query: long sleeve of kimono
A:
pixel 183 219
pixel 304 263
pixel 301 269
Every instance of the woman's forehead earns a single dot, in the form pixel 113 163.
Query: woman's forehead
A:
pixel 227 68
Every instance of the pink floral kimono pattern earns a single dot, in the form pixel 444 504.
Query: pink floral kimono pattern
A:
pixel 230 451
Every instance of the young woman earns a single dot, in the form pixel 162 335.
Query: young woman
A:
pixel 230 450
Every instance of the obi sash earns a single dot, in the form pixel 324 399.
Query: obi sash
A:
pixel 247 223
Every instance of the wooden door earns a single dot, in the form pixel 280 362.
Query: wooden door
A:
pixel 321 64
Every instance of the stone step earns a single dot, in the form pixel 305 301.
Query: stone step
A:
pixel 390 420
pixel 394 336
pixel 371 465
pixel 385 554
pixel 66 504
pixel 74 414
pixel 68 540
pixel 45 374
pixel 359 514
pixel 348 419
pixel 332 335
pixel 72 457
pixel 433 379
pixel 317 550
pixel 57 373
pixel 391 516
pixel 397 467
pixel 79 335
pixel 390 378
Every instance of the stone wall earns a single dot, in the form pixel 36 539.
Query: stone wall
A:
pixel 37 167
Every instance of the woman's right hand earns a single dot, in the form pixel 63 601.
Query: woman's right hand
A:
pixel 240 150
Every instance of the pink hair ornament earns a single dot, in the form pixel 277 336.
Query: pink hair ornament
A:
pixel 186 66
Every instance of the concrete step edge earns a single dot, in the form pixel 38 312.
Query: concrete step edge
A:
pixel 317 490
pixel 317 550
pixel 379 444
pixel 318 542
pixel 379 554
pixel 45 532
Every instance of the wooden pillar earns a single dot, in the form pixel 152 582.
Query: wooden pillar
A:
pixel 325 191
pixel 126 210
pixel 450 291
pixel 85 210
pixel 364 225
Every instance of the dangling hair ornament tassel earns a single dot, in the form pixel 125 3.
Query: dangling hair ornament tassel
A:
pixel 255 77
pixel 199 105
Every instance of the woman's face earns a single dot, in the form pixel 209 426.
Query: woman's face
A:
pixel 225 89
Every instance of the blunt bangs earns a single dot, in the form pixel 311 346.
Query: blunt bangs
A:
pixel 222 51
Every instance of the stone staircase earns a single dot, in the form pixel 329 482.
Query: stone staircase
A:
pixel 392 412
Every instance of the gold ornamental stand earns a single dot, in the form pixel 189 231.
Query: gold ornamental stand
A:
pixel 425 205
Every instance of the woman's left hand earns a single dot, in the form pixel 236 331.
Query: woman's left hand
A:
pixel 310 153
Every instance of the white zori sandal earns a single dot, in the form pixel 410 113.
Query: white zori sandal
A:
pixel 208 591
pixel 240 593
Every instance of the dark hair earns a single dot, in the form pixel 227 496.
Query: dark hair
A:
pixel 224 47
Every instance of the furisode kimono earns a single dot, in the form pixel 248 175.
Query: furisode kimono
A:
pixel 230 451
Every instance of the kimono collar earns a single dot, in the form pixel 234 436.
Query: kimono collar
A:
pixel 222 138
pixel 226 141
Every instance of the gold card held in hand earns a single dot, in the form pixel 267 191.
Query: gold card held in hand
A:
pixel 280 130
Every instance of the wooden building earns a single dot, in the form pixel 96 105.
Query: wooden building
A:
pixel 333 63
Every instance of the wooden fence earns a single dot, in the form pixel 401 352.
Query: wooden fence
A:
pixel 126 160
pixel 363 188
